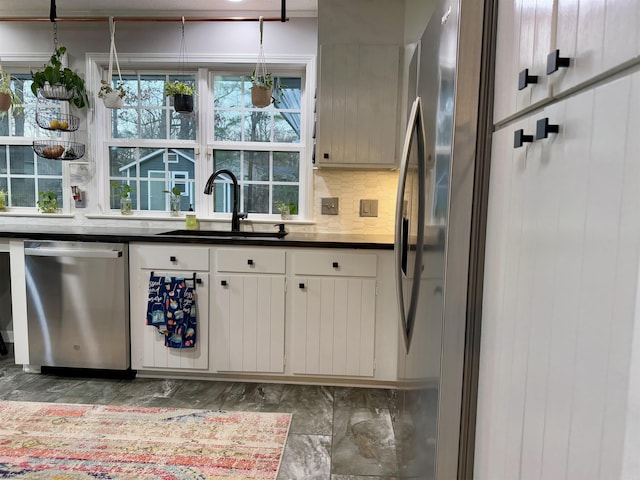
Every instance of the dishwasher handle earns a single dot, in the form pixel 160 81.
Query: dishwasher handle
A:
pixel 75 252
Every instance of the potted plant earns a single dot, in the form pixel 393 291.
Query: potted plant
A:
pixel 48 202
pixel 124 190
pixel 112 97
pixel 8 97
pixel 182 94
pixel 3 200
pixel 60 83
pixel 174 200
pixel 286 209
pixel 262 90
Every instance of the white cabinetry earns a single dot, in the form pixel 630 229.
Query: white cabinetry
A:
pixel 248 310
pixel 595 37
pixel 148 351
pixel 334 313
pixel 357 105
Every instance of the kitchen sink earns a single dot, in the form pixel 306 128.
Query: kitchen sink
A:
pixel 224 233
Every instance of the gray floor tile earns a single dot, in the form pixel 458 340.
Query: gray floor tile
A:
pixel 361 397
pixel 252 397
pixel 363 442
pixel 200 394
pixel 360 477
pixel 306 457
pixel 312 408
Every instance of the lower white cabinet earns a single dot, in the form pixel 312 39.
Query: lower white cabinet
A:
pixel 148 351
pixel 248 310
pixel 334 314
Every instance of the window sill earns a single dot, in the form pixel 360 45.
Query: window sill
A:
pixel 181 218
pixel 36 214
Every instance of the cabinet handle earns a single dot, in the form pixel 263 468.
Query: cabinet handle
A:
pixel 199 281
pixel 544 128
pixel 172 259
pixel 250 262
pixel 555 61
pixel 524 79
pixel 335 265
pixel 325 155
pixel 301 285
pixel 223 283
pixel 519 138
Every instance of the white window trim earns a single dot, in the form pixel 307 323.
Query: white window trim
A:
pixel 98 122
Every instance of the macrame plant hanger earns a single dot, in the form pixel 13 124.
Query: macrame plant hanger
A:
pixel 115 97
pixel 262 88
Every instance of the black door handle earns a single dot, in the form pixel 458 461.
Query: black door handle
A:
pixel 555 61
pixel 172 258
pixel 544 128
pixel 524 79
pixel 519 138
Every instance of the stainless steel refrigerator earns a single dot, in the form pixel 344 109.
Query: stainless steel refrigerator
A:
pixel 434 230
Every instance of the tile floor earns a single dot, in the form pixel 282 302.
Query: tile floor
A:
pixel 336 433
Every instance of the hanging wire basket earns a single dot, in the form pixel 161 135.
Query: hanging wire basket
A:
pixel 56 92
pixel 57 121
pixel 58 149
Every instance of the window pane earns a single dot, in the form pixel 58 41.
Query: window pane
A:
pixel 287 194
pixel 227 91
pixel 3 159
pixel 286 128
pixel 23 192
pixel 152 196
pixel 181 160
pixel 257 127
pixel 227 126
pixel 152 163
pixel 152 90
pixel 54 185
pixel 122 162
pixel 124 123
pixel 286 166
pixel 3 185
pixel 222 197
pixel 114 199
pixel 183 126
pixel 256 166
pixel 130 83
pixel 21 158
pixel 153 124
pixel 49 167
pixel 256 198
pixel 229 159
pixel 291 90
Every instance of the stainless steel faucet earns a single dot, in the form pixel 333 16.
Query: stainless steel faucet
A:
pixel 208 189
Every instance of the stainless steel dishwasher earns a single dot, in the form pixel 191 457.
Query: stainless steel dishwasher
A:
pixel 78 304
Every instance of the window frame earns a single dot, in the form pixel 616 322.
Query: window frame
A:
pixel 204 65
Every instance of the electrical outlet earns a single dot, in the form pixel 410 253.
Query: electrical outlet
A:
pixel 368 208
pixel 329 206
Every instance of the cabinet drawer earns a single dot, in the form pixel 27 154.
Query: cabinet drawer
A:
pixel 173 257
pixel 335 264
pixel 250 260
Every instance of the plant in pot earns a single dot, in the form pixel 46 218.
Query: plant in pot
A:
pixel 60 83
pixel 286 209
pixel 3 200
pixel 8 98
pixel 124 191
pixel 48 202
pixel 175 195
pixel 182 94
pixel 262 90
pixel 112 97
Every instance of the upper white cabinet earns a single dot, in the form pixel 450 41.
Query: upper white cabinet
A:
pixel 545 48
pixel 357 105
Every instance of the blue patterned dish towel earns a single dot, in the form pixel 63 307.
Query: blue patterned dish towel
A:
pixel 172 310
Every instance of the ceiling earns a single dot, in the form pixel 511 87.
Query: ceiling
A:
pixel 147 8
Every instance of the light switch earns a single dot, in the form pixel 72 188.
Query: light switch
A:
pixel 368 208
pixel 329 206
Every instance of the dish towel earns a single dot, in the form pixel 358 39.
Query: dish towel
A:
pixel 172 310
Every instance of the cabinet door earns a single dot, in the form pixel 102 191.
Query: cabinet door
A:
pixel 334 326
pixel 147 345
pixel 248 318
pixel 357 105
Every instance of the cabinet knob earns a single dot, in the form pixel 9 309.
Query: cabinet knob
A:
pixel 249 262
pixel 524 79
pixel 301 286
pixel 335 265
pixel 544 128
pixel 519 138
pixel 223 283
pixel 199 281
pixel 325 155
pixel 555 61
pixel 173 259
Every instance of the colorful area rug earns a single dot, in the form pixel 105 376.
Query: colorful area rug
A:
pixel 64 441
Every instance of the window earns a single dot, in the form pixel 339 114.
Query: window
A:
pixel 151 147
pixel 261 146
pixel 22 173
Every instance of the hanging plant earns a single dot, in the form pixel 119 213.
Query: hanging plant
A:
pixel 59 83
pixel 112 97
pixel 182 94
pixel 263 83
pixel 8 98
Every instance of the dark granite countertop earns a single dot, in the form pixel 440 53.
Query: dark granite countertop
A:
pixel 122 234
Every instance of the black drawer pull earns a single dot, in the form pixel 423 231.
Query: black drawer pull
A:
pixel 335 265
pixel 199 281
pixel 544 128
pixel 223 283
pixel 173 259
pixel 519 138
pixel 555 61
pixel 301 285
pixel 250 262
pixel 524 79
pixel 325 155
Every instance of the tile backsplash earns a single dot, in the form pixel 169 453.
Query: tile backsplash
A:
pixel 350 186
